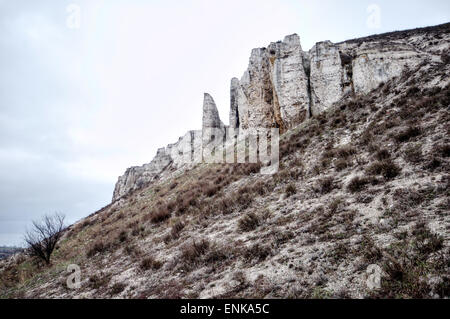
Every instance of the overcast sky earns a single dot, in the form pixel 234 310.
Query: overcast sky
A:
pixel 89 88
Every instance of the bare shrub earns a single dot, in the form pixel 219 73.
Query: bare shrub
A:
pixel 387 168
pixel 44 236
pixel 342 164
pixel 408 134
pixel 357 184
pixel 407 264
pixel 382 154
pixel 260 188
pixel 249 222
pixel 137 230
pixel 433 163
pixel 217 255
pixel 160 214
pixel 345 151
pixel 150 263
pixel 290 190
pixel 176 229
pixel 326 185
pixel 224 205
pixel 370 251
pixel 243 199
pixel 413 154
pixel 117 288
pixel 193 251
pixel 211 190
pixel 173 185
pixel 257 252
pixel 98 247
pixel 335 205
pixel 123 236
pixel 442 150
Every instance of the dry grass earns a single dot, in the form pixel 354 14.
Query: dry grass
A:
pixel 193 251
pixel 386 168
pixel 326 185
pixel 290 190
pixel 358 184
pixel 150 263
pixel 408 134
pixel 249 222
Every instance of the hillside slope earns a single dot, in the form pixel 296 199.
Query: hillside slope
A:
pixel 364 183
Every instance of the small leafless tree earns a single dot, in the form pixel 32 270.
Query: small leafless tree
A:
pixel 44 236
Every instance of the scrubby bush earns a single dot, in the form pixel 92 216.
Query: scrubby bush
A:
pixel 290 190
pixel 117 288
pixel 248 222
pixel 357 184
pixel 442 150
pixel 342 164
pixel 433 163
pixel 257 252
pixel 98 281
pixel 382 154
pixel 326 185
pixel 407 264
pixel 160 214
pixel 98 247
pixel 176 229
pixel 345 151
pixel 413 154
pixel 211 190
pixel 150 263
pixel 44 236
pixel 224 205
pixel 123 236
pixel 386 168
pixel 191 252
pixel 243 200
pixel 259 188
pixel 408 134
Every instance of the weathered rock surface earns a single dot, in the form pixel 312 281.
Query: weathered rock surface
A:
pixel 326 76
pixel 289 79
pixel 359 66
pixel 211 116
pixel 177 156
pixel 136 177
pixel 273 92
pixel 377 63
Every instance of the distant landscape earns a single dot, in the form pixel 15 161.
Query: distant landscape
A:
pixel 8 251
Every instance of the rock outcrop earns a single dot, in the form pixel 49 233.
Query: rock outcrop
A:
pixel 283 85
pixel 211 116
pixel 180 155
pixel 136 177
pixel 273 92
pixel 326 76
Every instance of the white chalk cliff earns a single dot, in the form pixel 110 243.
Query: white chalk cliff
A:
pixel 283 85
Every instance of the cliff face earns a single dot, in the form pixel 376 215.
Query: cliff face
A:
pixel 136 177
pixel 283 85
pixel 273 92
